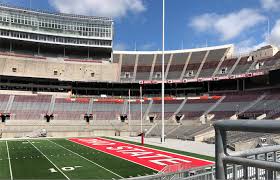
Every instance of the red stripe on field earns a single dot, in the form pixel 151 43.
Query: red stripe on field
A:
pixel 148 157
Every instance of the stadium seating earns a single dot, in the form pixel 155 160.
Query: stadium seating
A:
pixel 30 107
pixel 34 107
pixel 144 66
pixel 135 66
pixel 177 65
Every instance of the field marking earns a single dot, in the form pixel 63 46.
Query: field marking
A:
pixel 10 164
pixel 116 156
pixel 50 161
pixel 161 150
pixel 86 159
pixel 141 164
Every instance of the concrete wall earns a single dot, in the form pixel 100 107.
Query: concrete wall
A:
pixel 241 146
pixel 203 136
pixel 71 71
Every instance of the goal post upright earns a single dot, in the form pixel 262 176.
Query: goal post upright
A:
pixel 141 109
pixel 163 72
pixel 129 113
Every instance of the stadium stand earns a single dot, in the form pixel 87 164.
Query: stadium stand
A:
pixel 61 82
pixel 247 85
pixel 28 114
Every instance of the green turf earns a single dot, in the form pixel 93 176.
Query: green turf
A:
pixel 167 149
pixel 65 158
pixel 28 163
pixel 4 162
pixel 35 159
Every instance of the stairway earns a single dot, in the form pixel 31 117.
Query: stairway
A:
pixel 179 108
pixel 234 66
pixel 9 104
pixel 252 104
pixel 148 109
pixel 150 130
pixel 90 106
pixel 212 107
pixel 51 107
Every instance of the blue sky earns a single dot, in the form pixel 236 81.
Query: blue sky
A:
pixel 189 23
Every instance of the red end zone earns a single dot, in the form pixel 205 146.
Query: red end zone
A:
pixel 148 157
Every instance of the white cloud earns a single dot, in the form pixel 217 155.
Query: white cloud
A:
pixel 147 46
pixel 120 46
pixel 275 34
pixel 270 4
pixel 107 8
pixel 227 26
pixel 247 46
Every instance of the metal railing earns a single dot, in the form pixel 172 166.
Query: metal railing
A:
pixel 259 163
pixel 198 173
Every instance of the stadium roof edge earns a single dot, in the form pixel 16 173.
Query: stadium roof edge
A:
pixel 65 15
pixel 231 46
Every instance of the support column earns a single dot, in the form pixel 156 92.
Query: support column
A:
pixel 11 46
pixel 220 151
pixel 38 48
pixel 237 85
pixel 64 51
pixel 245 172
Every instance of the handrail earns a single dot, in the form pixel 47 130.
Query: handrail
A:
pixel 223 158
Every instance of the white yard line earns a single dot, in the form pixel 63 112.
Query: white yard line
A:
pixel 87 159
pixel 10 165
pixel 50 161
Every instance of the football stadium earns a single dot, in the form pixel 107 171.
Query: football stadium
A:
pixel 72 107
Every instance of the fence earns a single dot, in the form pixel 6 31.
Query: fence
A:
pixel 259 163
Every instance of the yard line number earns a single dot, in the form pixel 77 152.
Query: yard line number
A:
pixel 66 169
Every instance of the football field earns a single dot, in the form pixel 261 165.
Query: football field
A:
pixel 87 158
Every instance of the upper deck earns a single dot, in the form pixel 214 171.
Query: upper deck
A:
pixel 46 27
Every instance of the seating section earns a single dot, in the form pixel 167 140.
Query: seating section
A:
pixel 128 64
pixel 30 107
pixel 195 62
pixel 208 69
pixel 177 65
pixel 35 107
pixel 170 107
pixel 136 66
pixel 144 66
pixel 233 104
pixel 243 65
pixel 3 102
pixel 268 63
pixel 212 62
pixel 68 110
pixel 28 111
pixel 193 109
pixel 158 66
pixel 106 110
pixel 226 66
pixel 135 110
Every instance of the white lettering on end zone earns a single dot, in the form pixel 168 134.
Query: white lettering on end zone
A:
pixel 169 160
pixel 97 142
pixel 139 153
pixel 148 157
